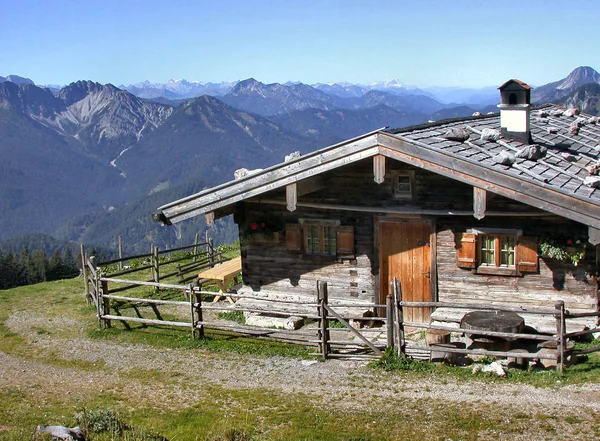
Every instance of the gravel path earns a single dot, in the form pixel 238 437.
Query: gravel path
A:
pixel 328 382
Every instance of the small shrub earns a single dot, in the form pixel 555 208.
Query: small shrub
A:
pixel 107 421
pixel 100 420
pixel 391 361
pixel 335 324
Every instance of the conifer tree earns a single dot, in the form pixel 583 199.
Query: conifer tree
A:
pixel 55 265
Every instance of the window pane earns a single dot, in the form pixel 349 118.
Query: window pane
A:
pixel 403 184
pixel 312 239
pixel 507 250
pixel 329 240
pixel 488 252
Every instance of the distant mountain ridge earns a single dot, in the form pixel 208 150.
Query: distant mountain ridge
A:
pixel 178 89
pixel 276 99
pixel 71 160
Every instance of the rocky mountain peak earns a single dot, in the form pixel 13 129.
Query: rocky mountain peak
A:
pixel 16 79
pixel 580 76
pixel 78 90
pixel 30 99
pixel 246 86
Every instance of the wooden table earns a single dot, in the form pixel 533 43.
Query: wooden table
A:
pixel 223 274
pixel 495 321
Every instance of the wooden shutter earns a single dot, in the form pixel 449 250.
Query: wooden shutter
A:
pixel 527 255
pixel 293 237
pixel 345 241
pixel 466 255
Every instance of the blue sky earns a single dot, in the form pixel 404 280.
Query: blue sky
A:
pixel 424 43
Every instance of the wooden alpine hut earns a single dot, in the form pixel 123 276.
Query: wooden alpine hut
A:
pixel 490 209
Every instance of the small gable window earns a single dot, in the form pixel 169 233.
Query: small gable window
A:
pixel 320 238
pixel 512 98
pixel 501 252
pixel 404 183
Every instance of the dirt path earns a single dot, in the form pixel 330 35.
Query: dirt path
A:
pixel 332 381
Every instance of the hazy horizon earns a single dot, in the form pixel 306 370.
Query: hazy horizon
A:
pixel 462 43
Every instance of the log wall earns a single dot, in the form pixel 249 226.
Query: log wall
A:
pixel 555 280
pixel 269 267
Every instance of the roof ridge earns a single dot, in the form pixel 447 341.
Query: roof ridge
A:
pixel 440 123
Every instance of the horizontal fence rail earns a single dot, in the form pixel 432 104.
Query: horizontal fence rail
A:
pixel 559 338
pixel 346 339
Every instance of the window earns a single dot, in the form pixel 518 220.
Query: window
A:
pixel 320 238
pixel 501 252
pixel 497 250
pixel 404 184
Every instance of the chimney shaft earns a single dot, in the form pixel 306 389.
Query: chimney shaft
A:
pixel 515 109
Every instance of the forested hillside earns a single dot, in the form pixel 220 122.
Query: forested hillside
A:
pixel 26 268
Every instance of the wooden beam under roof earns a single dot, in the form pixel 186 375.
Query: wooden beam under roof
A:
pixel 291 196
pixel 479 202
pixel 379 168
pixel 594 236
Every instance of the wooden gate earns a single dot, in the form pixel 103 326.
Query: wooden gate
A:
pixel 405 253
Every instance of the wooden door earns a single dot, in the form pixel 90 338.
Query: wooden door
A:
pixel 405 252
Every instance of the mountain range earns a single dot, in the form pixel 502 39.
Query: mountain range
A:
pixel 91 161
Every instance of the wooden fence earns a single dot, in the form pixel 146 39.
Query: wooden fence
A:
pixel 559 339
pixel 96 275
pixel 103 289
pixel 329 317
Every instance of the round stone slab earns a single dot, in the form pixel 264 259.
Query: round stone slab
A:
pixel 496 321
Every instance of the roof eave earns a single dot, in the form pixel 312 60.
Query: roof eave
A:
pixel 270 179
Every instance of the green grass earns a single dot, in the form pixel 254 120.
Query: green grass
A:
pixel 577 374
pixel 216 412
pixel 214 341
pixel 234 316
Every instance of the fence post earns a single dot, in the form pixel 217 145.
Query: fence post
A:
pixel 559 314
pixel 155 267
pixel 196 247
pixel 197 325
pixel 120 243
pixel 398 316
pixel 179 273
pixel 210 252
pixel 324 322
pixel 389 315
pixel 96 287
pixel 105 304
pixel 84 273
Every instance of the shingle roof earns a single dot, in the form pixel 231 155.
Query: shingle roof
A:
pixel 555 182
pixel 563 168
